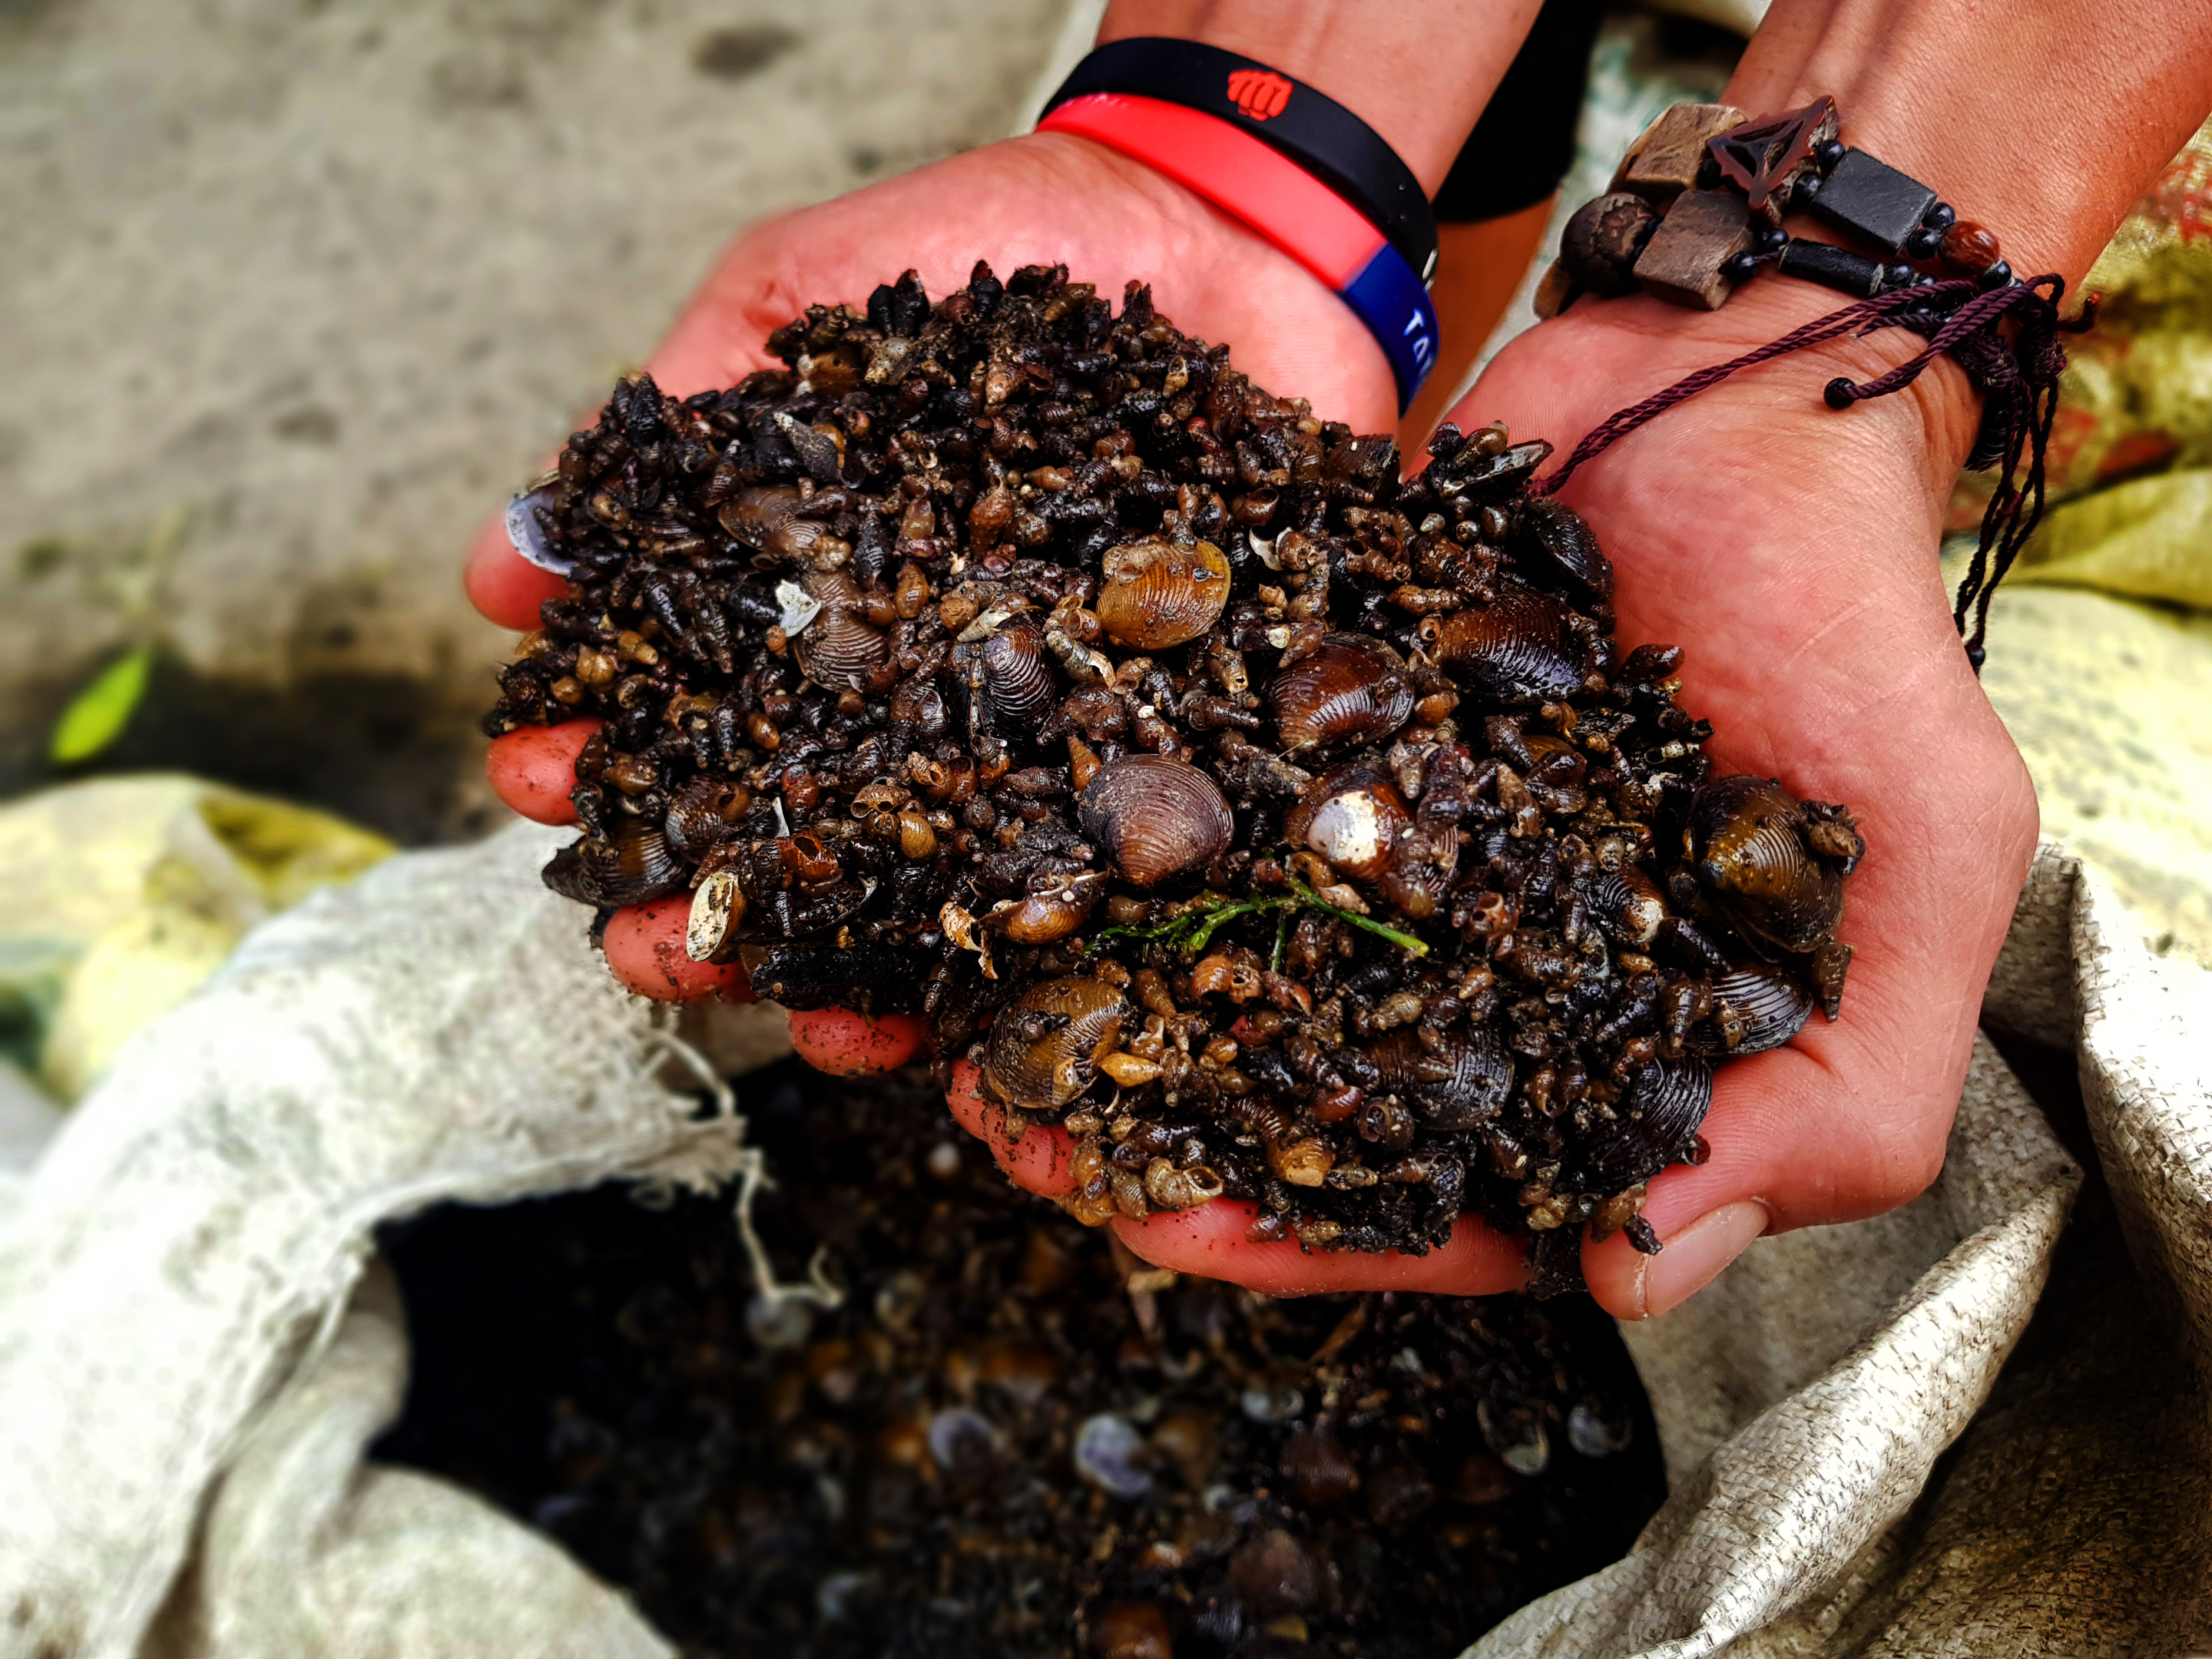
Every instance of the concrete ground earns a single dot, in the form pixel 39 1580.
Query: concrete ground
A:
pixel 298 289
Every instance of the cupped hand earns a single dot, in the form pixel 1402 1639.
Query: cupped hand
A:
pixel 1790 549
pixel 1043 199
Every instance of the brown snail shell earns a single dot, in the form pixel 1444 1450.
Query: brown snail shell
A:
pixel 1352 816
pixel 1347 689
pixel 1516 649
pixel 633 868
pixel 1052 913
pixel 1044 1050
pixel 1463 1086
pixel 1658 1119
pixel 1158 593
pixel 1764 1006
pixel 1017 683
pixel 1750 862
pixel 1155 816
pixel 1558 537
pixel 839 647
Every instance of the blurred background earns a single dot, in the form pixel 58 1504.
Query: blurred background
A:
pixel 300 289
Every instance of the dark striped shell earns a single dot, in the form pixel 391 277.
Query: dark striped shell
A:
pixel 1044 1050
pixel 1348 689
pixel 1517 648
pixel 1657 1121
pixel 1462 1087
pixel 767 518
pixel 1158 593
pixel 839 647
pixel 1747 852
pixel 1017 683
pixel 634 867
pixel 1627 904
pixel 1156 818
pixel 1770 1004
pixel 1556 542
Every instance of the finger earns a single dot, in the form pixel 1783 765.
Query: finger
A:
pixel 503 585
pixel 1210 1241
pixel 1036 1159
pixel 533 768
pixel 644 947
pixel 847 1044
pixel 1817 1133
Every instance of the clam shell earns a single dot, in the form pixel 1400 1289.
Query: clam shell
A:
pixel 634 867
pixel 1464 1087
pixel 1018 682
pixel 1155 816
pixel 765 517
pixel 839 647
pixel 1628 904
pixel 1773 1004
pixel 1658 1117
pixel 1158 594
pixel 1044 1050
pixel 1515 649
pixel 1748 852
pixel 528 535
pixel 1558 541
pixel 1347 689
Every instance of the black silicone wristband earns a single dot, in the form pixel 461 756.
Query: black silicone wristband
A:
pixel 1310 127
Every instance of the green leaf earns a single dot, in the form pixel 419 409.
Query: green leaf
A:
pixel 97 715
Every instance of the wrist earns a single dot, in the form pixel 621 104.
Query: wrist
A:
pixel 2044 127
pixel 1415 71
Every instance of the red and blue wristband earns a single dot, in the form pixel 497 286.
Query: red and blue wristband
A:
pixel 1253 182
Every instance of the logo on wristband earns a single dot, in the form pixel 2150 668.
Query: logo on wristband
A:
pixel 1258 93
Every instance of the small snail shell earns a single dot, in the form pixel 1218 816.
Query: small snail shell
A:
pixel 1352 816
pixel 1156 818
pixel 1158 593
pixel 1761 1007
pixel 634 868
pixel 1751 861
pixel 1044 1050
pixel 1181 1189
pixel 1348 689
pixel 838 646
pixel 1516 649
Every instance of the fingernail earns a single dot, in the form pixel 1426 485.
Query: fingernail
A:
pixel 1693 1258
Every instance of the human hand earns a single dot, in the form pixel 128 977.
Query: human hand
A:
pixel 1046 199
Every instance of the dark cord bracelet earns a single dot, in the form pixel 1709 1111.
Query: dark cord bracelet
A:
pixel 1307 125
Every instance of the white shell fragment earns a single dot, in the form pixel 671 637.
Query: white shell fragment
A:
pixel 799 608
pixel 528 536
pixel 713 907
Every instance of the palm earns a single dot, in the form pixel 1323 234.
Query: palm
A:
pixel 1791 550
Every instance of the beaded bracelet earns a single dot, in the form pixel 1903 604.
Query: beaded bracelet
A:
pixel 1696 208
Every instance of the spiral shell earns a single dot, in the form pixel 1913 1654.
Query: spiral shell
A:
pixel 1158 593
pixel 1516 649
pixel 1349 689
pixel 1156 818
pixel 1462 1087
pixel 635 866
pixel 1751 863
pixel 1352 816
pixel 838 646
pixel 1762 1007
pixel 1051 912
pixel 1044 1050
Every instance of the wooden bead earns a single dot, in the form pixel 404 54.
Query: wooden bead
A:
pixel 1685 260
pixel 1969 246
pixel 1665 160
pixel 1600 244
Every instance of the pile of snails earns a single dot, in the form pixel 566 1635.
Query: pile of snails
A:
pixel 1282 828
